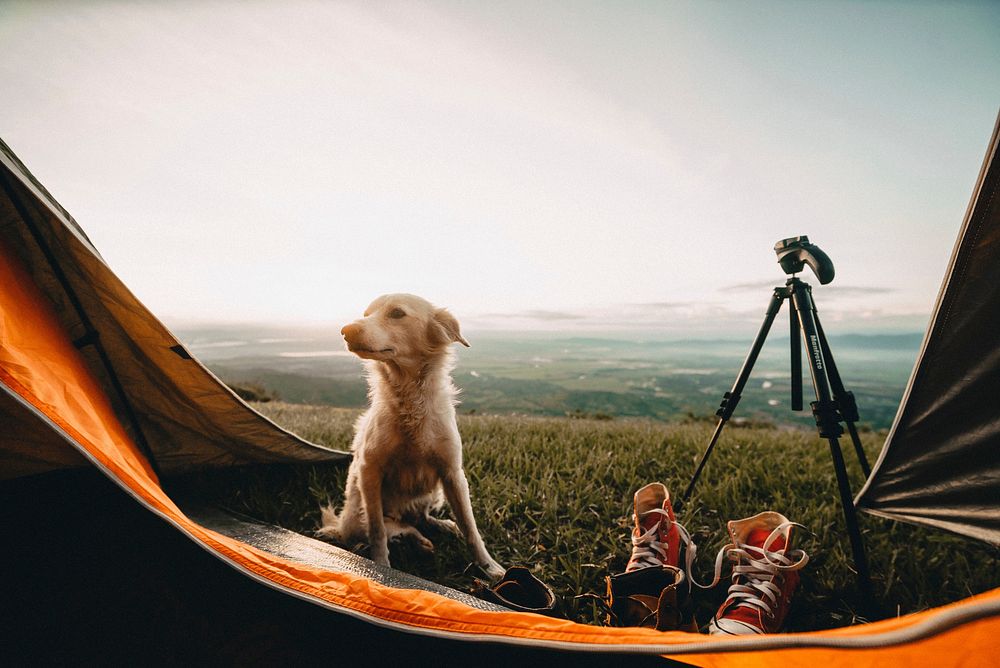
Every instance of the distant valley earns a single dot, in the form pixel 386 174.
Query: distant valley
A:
pixel 556 373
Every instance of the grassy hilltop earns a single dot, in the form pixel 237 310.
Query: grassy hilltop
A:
pixel 555 494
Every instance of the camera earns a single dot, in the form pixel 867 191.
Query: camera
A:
pixel 796 252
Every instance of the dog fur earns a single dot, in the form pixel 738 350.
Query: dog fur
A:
pixel 407 449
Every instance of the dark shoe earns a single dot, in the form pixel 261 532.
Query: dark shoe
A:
pixel 655 597
pixel 519 590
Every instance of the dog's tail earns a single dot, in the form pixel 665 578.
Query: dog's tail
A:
pixel 329 523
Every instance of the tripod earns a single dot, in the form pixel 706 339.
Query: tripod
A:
pixel 833 404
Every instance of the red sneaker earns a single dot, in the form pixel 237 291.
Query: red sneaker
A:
pixel 656 538
pixel 764 575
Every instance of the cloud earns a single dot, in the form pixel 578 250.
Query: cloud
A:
pixel 537 314
pixel 699 318
pixel 855 290
pixel 756 285
pixel 664 316
pixel 660 306
pixel 830 290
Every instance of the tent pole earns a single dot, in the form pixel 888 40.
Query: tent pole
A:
pixel 91 335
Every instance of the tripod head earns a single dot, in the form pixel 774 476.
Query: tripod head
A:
pixel 796 252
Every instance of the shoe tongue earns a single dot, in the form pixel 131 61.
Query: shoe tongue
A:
pixel 648 521
pixel 757 538
pixel 754 531
pixel 649 498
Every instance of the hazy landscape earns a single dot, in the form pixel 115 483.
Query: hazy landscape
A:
pixel 607 376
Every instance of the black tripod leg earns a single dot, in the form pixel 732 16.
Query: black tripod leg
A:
pixel 795 346
pixel 862 459
pixel 825 412
pixel 845 400
pixel 853 532
pixel 732 398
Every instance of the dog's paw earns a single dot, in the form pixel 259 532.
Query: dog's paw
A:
pixel 447 526
pixel 493 569
pixel 380 557
pixel 329 528
pixel 425 545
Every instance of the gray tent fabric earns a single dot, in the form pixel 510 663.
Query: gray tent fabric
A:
pixel 186 416
pixel 940 465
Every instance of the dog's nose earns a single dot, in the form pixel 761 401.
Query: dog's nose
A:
pixel 350 331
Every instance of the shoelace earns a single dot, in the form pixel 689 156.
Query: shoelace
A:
pixel 647 551
pixel 754 569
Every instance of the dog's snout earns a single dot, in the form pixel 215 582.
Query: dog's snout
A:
pixel 350 331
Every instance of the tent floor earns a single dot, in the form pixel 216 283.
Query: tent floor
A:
pixel 91 577
pixel 305 550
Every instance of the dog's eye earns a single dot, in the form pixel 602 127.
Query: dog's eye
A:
pixel 396 313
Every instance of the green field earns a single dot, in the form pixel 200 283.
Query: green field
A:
pixel 555 494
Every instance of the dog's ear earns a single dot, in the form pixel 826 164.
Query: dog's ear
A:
pixel 447 325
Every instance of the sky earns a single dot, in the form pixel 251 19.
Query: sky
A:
pixel 530 165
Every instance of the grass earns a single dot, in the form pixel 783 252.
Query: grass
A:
pixel 555 494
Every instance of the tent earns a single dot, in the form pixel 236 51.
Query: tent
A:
pixel 100 404
pixel 940 465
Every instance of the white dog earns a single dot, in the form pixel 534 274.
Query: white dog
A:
pixel 407 449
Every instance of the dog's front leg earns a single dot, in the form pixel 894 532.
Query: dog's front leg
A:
pixel 371 494
pixel 456 490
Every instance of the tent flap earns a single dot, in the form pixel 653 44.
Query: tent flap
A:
pixel 188 417
pixel 940 465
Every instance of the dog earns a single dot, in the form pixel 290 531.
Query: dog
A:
pixel 407 449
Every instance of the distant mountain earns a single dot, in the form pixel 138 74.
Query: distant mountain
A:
pixel 880 341
pixel 907 341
